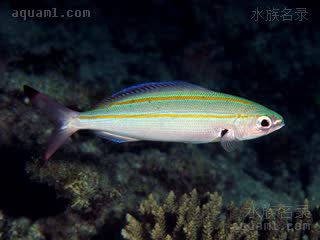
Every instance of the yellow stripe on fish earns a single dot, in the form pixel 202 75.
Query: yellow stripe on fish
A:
pixel 162 111
pixel 183 98
pixel 164 116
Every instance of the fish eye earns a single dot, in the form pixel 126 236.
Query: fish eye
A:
pixel 264 122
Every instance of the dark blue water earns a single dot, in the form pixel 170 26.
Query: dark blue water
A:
pixel 81 52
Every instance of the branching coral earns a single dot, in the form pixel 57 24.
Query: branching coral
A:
pixel 20 228
pixel 91 198
pixel 194 218
pixel 186 218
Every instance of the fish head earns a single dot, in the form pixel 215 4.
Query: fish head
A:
pixel 258 125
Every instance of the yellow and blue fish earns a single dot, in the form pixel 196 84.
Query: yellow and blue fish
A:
pixel 162 111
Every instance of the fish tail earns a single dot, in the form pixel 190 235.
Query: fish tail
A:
pixel 56 113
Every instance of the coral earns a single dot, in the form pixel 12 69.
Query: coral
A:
pixel 20 228
pixel 81 184
pixel 23 229
pixel 193 218
pixel 183 219
pixel 89 194
pixel 104 180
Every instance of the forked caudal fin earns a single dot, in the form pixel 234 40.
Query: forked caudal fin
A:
pixel 56 113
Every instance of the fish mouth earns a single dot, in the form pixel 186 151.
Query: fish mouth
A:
pixel 279 123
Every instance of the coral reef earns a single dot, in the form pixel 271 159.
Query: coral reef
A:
pixel 192 217
pixel 186 218
pixel 88 192
pixel 23 229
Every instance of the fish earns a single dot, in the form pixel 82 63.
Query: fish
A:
pixel 172 111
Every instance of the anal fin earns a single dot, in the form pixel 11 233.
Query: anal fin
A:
pixel 114 138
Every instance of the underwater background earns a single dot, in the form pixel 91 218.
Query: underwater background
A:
pixel 265 51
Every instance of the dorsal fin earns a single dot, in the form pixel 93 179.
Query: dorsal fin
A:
pixel 149 87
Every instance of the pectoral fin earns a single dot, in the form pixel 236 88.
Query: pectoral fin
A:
pixel 228 140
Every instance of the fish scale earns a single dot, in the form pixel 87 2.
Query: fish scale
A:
pixel 163 111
